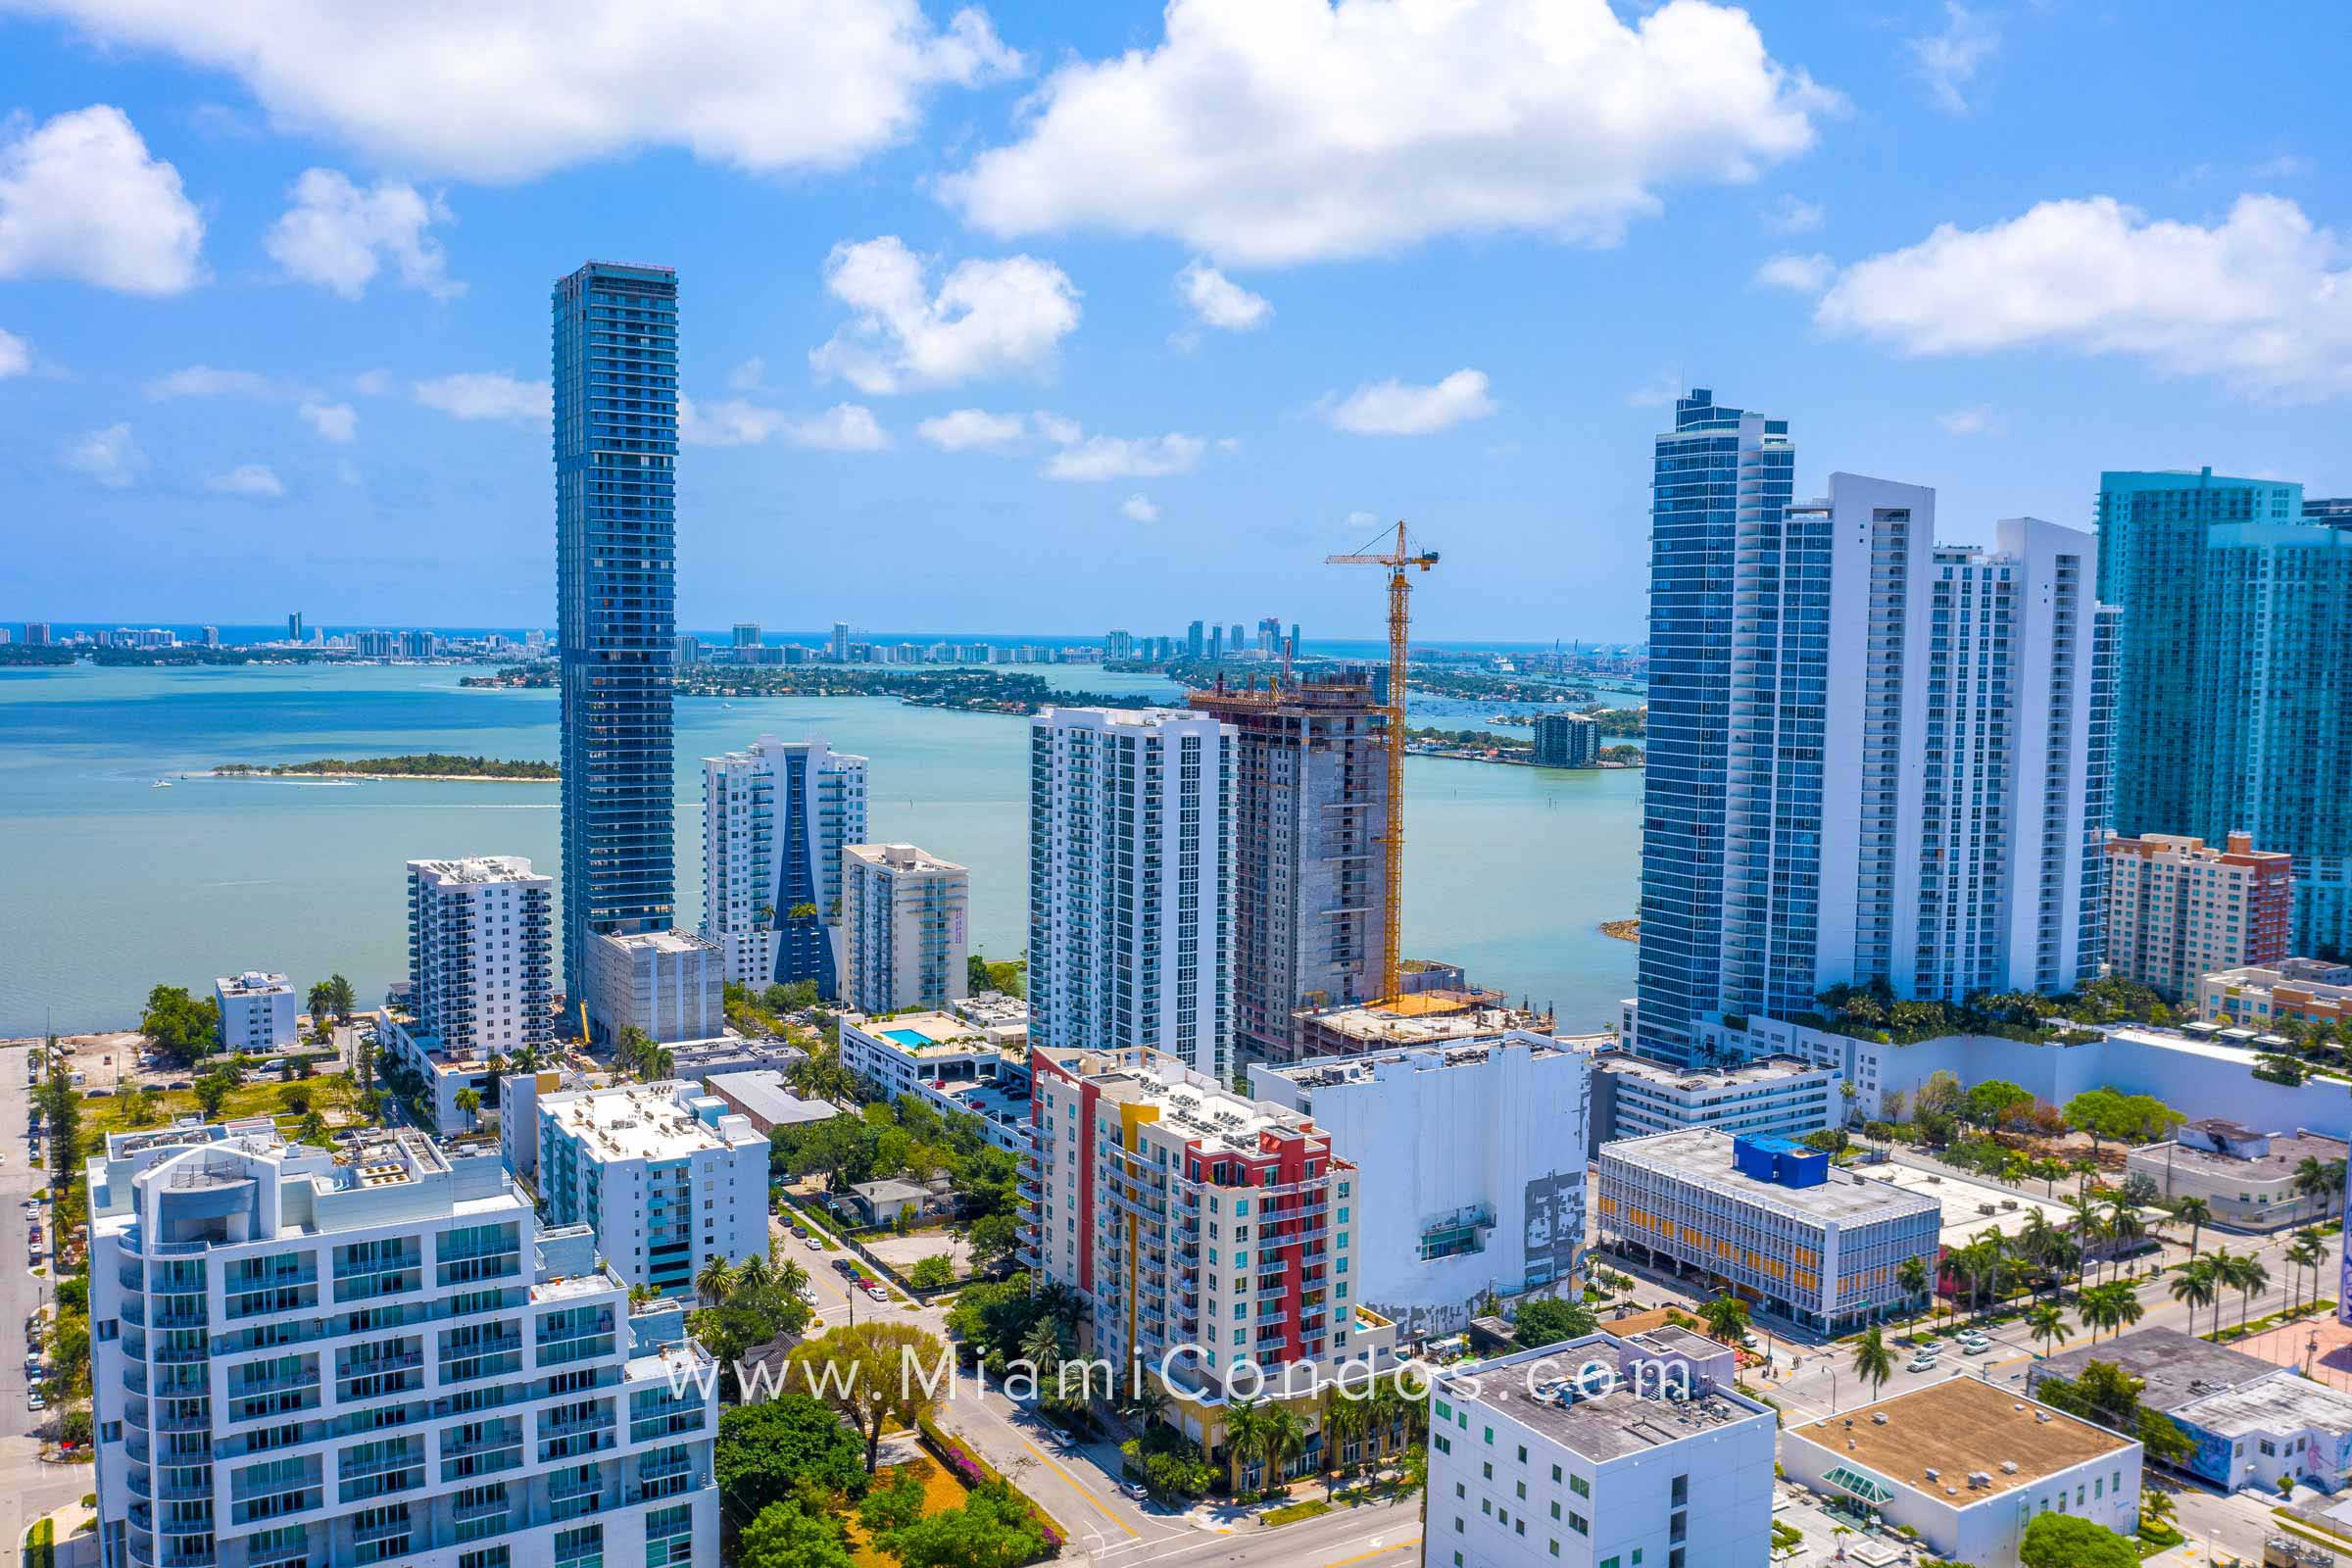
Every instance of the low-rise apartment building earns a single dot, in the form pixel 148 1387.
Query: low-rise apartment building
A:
pixel 375 1355
pixel 1599 1453
pixel 902 921
pixel 1773 1221
pixel 665 1175
pixel 2252 997
pixel 2177 908
pixel 2251 1180
pixel 1967 1466
pixel 955 1064
pixel 258 1010
pixel 1213 1236
pixel 1470 1168
pixel 1778 1096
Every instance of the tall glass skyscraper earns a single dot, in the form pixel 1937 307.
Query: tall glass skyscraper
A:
pixel 617 453
pixel 1718 472
pixel 2235 673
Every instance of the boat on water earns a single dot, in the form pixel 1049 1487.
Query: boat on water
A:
pixel 161 784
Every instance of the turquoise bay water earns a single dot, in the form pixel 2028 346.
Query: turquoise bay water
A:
pixel 109 885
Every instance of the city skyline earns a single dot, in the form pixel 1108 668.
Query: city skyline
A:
pixel 1042 378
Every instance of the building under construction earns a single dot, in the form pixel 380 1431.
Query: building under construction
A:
pixel 1436 1006
pixel 1311 809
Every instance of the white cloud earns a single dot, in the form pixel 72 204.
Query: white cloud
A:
pixel 967 429
pixel 255 481
pixel 1979 420
pixel 372 383
pixel 81 198
pixel 1111 457
pixel 1217 300
pixel 208 381
pixel 338 235
pixel 108 455
pixel 1279 132
pixel 1793 216
pixel 747 376
pixel 1949 61
pixel 1139 508
pixel 739 422
pixel 1395 408
pixel 338 422
pixel 1804 275
pixel 987 318
pixel 16 356
pixel 2285 166
pixel 486 395
pixel 506 92
pixel 2262 299
pixel 1056 430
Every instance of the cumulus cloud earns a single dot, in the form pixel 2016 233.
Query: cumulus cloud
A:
pixel 2261 299
pixel 338 235
pixel 1280 132
pixel 740 422
pixel 1111 457
pixel 987 318
pixel 108 455
pixel 372 383
pixel 81 198
pixel 748 376
pixel 1949 61
pixel 509 92
pixel 1804 275
pixel 16 356
pixel 1397 408
pixel 338 422
pixel 255 481
pixel 486 395
pixel 1217 300
pixel 1979 420
pixel 1137 507
pixel 970 429
pixel 1793 216
pixel 209 382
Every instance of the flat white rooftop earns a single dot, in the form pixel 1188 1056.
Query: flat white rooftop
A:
pixel 636 1121
pixel 2285 1404
pixel 1702 1156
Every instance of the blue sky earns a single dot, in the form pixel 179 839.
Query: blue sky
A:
pixel 1055 318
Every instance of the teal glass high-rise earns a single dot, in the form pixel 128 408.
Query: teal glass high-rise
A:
pixel 616 451
pixel 2235 701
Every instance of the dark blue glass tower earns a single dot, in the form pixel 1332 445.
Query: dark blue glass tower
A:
pixel 617 453
pixel 1723 476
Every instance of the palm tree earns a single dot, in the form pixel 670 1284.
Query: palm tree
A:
pixel 1344 1424
pixel 313 1130
pixel 755 1273
pixel 2047 1324
pixel 2224 1276
pixel 2198 1212
pixel 1283 1440
pixel 2249 1278
pixel 2090 1225
pixel 1726 1317
pixel 716 1281
pixel 2317 1178
pixel 1916 1282
pixel 787 1276
pixel 2124 1308
pixel 469 1100
pixel 2309 1251
pixel 2037 1241
pixel 1245 1431
pixel 2197 1284
pixel 2124 1223
pixel 1874 1363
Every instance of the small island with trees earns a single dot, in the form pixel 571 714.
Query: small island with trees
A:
pixel 441 768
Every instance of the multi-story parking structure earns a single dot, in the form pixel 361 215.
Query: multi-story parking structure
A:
pixel 1770 1220
pixel 375 1355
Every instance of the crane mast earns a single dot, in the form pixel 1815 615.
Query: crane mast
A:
pixel 1399 561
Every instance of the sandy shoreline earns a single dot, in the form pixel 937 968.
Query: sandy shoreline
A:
pixel 373 778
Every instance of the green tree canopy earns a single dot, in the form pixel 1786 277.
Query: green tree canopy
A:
pixel 994 1528
pixel 787 1536
pixel 1995 1101
pixel 181 1026
pixel 765 1449
pixel 1549 1320
pixel 2068 1540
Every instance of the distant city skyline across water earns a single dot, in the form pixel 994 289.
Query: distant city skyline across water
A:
pixel 117 885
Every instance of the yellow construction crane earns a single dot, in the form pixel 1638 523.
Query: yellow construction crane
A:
pixel 1399 561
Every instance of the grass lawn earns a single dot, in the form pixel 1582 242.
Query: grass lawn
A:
pixel 940 1493
pixel 261 1097
pixel 1292 1513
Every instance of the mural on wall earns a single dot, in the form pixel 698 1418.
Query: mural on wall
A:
pixel 1555 1224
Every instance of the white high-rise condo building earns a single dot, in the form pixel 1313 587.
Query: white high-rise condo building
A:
pixel 1131 882
pixel 481 975
pixel 1600 1453
pixel 376 1355
pixel 1915 766
pixel 903 913
pixel 256 1011
pixel 665 1175
pixel 775 819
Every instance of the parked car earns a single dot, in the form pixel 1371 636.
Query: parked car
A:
pixel 842 1265
pixel 33 1401
pixel 1920 1363
pixel 813 1245
pixel 1136 1491
pixel 877 1293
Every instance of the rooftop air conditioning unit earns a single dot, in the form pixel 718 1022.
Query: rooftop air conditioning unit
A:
pixel 2008 1467
pixel 1877 1418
